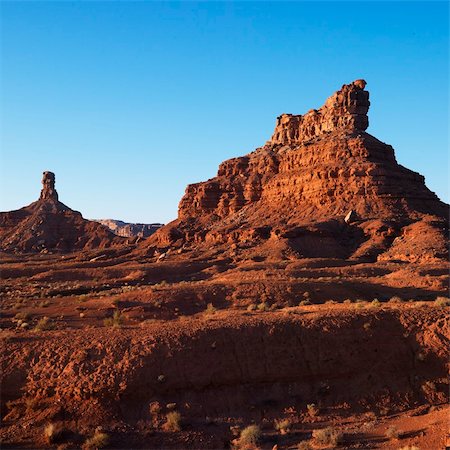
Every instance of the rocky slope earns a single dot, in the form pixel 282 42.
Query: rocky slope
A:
pixel 49 225
pixel 295 193
pixel 126 229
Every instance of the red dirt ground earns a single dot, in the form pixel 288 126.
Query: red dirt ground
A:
pixel 254 356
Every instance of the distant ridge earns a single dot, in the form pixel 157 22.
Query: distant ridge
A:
pixel 126 229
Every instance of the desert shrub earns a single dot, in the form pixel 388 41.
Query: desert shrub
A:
pixel 366 326
pixel 305 445
pixel 23 316
pixel 347 301
pixel 283 425
pixel 330 302
pixel 442 301
pixel 53 432
pixel 375 303
pixel 395 299
pixel 263 306
pixel 250 435
pixel 251 307
pixel 98 440
pixel 173 421
pixel 44 324
pixel 161 284
pixel 304 302
pixel 327 436
pixel 115 321
pixel 312 409
pixel 154 408
pixel 392 433
pixel 210 309
pixel 44 304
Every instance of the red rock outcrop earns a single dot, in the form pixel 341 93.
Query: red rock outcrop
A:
pixel 49 225
pixel 315 169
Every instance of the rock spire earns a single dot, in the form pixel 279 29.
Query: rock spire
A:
pixel 48 186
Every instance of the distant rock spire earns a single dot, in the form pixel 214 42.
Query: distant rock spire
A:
pixel 48 187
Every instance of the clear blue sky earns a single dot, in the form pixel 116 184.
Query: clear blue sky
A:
pixel 128 102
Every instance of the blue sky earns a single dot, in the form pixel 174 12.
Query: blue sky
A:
pixel 128 102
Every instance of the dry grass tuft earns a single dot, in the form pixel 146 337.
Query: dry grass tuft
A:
pixel 312 409
pixel 210 309
pixel 392 433
pixel 250 435
pixel 98 440
pixel 442 302
pixel 53 432
pixel 304 303
pixel 173 421
pixel 115 321
pixel 283 426
pixel 44 324
pixel 263 306
pixel 327 436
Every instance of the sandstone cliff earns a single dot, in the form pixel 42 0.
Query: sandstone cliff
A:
pixel 296 190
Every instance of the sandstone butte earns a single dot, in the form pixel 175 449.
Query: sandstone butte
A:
pixel 47 224
pixel 290 197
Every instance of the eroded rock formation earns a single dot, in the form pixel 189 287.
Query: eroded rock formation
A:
pixel 49 225
pixel 48 187
pixel 314 170
pixel 344 110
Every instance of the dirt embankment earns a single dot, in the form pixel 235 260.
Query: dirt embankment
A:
pixel 226 364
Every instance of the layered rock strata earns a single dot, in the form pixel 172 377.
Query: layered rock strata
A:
pixel 49 225
pixel 125 229
pixel 316 168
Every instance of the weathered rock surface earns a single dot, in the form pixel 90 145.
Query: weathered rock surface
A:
pixel 48 187
pixel 296 190
pixel 125 229
pixel 49 225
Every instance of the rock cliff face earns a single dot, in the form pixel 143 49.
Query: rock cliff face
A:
pixel 49 225
pixel 345 110
pixel 314 170
pixel 125 229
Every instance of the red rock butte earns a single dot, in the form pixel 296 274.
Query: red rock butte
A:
pixel 49 225
pixel 315 170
